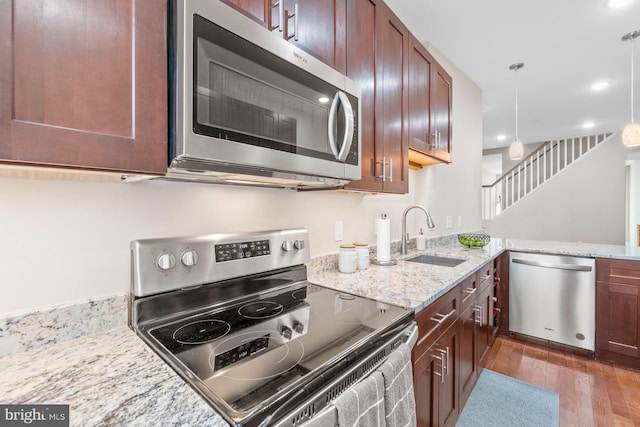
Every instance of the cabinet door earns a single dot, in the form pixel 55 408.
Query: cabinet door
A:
pixel 420 71
pixel 618 311
pixel 502 293
pixel 441 113
pixel 361 67
pixel 426 369
pixel 84 84
pixel 392 40
pixel 319 27
pixel 469 360
pixel 485 331
pixel 261 11
pixel 448 392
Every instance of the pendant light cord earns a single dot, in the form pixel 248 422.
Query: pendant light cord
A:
pixel 632 40
pixel 516 70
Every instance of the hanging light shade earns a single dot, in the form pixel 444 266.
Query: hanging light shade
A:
pixel 631 132
pixel 516 150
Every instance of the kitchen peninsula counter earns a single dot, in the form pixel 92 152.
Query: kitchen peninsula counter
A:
pixel 111 377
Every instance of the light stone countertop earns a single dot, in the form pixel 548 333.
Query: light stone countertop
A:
pixel 108 379
pixel 415 285
pixel 410 284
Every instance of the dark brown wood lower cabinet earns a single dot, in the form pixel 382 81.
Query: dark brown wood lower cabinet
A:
pixel 436 378
pixel 485 330
pixel 469 360
pixel 456 334
pixel 618 311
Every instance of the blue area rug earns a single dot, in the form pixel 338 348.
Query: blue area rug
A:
pixel 497 400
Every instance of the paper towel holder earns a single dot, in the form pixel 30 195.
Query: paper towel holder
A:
pixel 384 263
pixel 388 262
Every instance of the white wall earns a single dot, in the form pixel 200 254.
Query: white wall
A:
pixel 585 202
pixel 455 189
pixel 63 241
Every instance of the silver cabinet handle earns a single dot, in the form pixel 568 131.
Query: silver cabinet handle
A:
pixel 441 360
pixel 439 318
pixel 477 315
pixel 294 15
pixel 295 23
pixel 570 267
pixel 469 291
pixel 341 98
pixel 280 7
pixel 383 163
pixel 391 169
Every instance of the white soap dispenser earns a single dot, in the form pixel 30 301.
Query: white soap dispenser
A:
pixel 421 241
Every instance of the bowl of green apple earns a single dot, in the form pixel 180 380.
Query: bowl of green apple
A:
pixel 474 240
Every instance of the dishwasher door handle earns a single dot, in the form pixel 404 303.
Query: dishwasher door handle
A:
pixel 571 267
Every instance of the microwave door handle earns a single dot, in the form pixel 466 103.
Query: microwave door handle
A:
pixel 332 119
pixel 348 126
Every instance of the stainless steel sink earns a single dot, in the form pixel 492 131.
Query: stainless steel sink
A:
pixel 436 260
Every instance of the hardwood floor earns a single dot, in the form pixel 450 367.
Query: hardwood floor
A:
pixel 591 393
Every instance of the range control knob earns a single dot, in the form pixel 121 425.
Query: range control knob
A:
pixel 298 327
pixel 287 245
pixel 166 261
pixel 298 244
pixel 286 332
pixel 189 258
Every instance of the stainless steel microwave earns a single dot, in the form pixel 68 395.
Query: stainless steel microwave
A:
pixel 248 107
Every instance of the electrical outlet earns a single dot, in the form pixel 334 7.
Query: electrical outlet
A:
pixel 459 220
pixel 338 231
pixel 449 221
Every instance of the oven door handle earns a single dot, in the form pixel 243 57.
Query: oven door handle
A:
pixel 341 98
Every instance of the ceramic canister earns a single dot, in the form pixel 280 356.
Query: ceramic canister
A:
pixel 362 250
pixel 347 259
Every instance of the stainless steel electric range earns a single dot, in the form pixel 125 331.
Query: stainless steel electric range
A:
pixel 235 317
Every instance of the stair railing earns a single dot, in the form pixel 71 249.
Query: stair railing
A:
pixel 534 170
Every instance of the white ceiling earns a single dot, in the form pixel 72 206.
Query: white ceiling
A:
pixel 566 45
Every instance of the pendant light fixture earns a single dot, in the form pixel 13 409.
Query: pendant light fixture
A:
pixel 516 150
pixel 631 132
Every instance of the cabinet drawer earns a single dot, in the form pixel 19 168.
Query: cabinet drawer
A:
pixel 436 318
pixel 626 272
pixel 469 291
pixel 485 276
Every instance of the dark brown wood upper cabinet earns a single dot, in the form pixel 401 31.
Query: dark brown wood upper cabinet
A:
pixel 441 113
pixel 258 10
pixel 319 27
pixel 83 84
pixel 430 97
pixel 377 58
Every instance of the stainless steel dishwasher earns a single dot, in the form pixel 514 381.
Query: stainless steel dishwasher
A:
pixel 553 297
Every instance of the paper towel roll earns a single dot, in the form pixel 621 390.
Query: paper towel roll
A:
pixel 383 251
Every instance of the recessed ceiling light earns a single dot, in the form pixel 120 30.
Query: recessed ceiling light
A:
pixel 618 3
pixel 323 99
pixel 501 137
pixel 588 125
pixel 601 85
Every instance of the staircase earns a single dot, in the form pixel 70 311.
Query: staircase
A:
pixel 533 171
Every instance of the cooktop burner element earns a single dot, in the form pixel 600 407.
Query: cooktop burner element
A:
pixel 201 332
pixel 249 333
pixel 260 310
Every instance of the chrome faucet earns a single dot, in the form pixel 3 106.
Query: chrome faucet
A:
pixel 430 224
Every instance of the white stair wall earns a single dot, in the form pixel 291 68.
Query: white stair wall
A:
pixel 585 202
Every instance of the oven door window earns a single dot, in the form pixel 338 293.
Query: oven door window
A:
pixel 243 93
